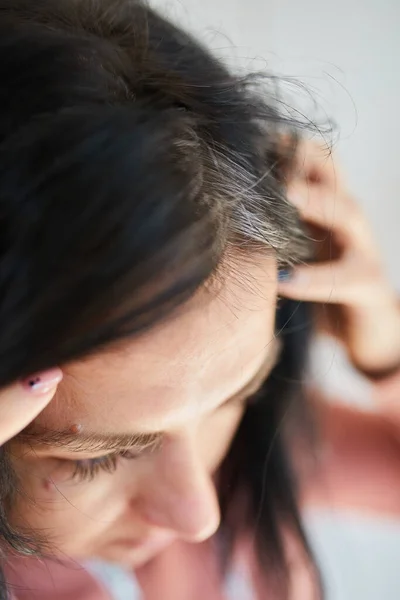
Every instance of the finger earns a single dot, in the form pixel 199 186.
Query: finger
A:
pixel 330 283
pixel 21 402
pixel 314 162
pixel 332 211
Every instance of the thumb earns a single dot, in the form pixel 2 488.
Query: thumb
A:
pixel 21 402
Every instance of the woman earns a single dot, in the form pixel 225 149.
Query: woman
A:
pixel 143 197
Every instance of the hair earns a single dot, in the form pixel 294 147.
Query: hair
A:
pixel 133 166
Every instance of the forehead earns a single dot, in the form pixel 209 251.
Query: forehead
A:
pixel 188 364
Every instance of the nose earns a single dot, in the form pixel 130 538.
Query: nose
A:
pixel 179 494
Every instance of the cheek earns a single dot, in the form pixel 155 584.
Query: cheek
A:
pixel 217 433
pixel 74 514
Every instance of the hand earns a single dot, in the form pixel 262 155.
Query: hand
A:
pixel 357 304
pixel 21 402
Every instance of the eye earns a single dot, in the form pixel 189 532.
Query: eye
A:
pixel 88 468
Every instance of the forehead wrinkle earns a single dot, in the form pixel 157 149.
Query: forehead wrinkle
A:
pixel 270 350
pixel 35 435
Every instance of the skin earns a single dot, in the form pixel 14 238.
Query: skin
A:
pixel 356 304
pixel 169 494
pixel 185 381
pixel 21 402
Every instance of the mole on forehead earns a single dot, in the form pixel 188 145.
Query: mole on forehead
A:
pixel 75 428
pixel 76 437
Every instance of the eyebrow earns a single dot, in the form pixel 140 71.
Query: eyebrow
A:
pixel 71 441
pixel 89 442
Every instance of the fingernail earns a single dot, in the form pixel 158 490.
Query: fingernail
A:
pixel 41 383
pixel 284 275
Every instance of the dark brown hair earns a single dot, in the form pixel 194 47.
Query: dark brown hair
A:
pixel 132 165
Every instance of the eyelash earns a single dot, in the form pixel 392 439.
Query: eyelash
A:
pixel 88 469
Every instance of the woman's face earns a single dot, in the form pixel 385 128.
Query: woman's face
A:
pixel 121 463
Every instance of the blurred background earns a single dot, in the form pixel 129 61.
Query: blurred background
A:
pixel 346 53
